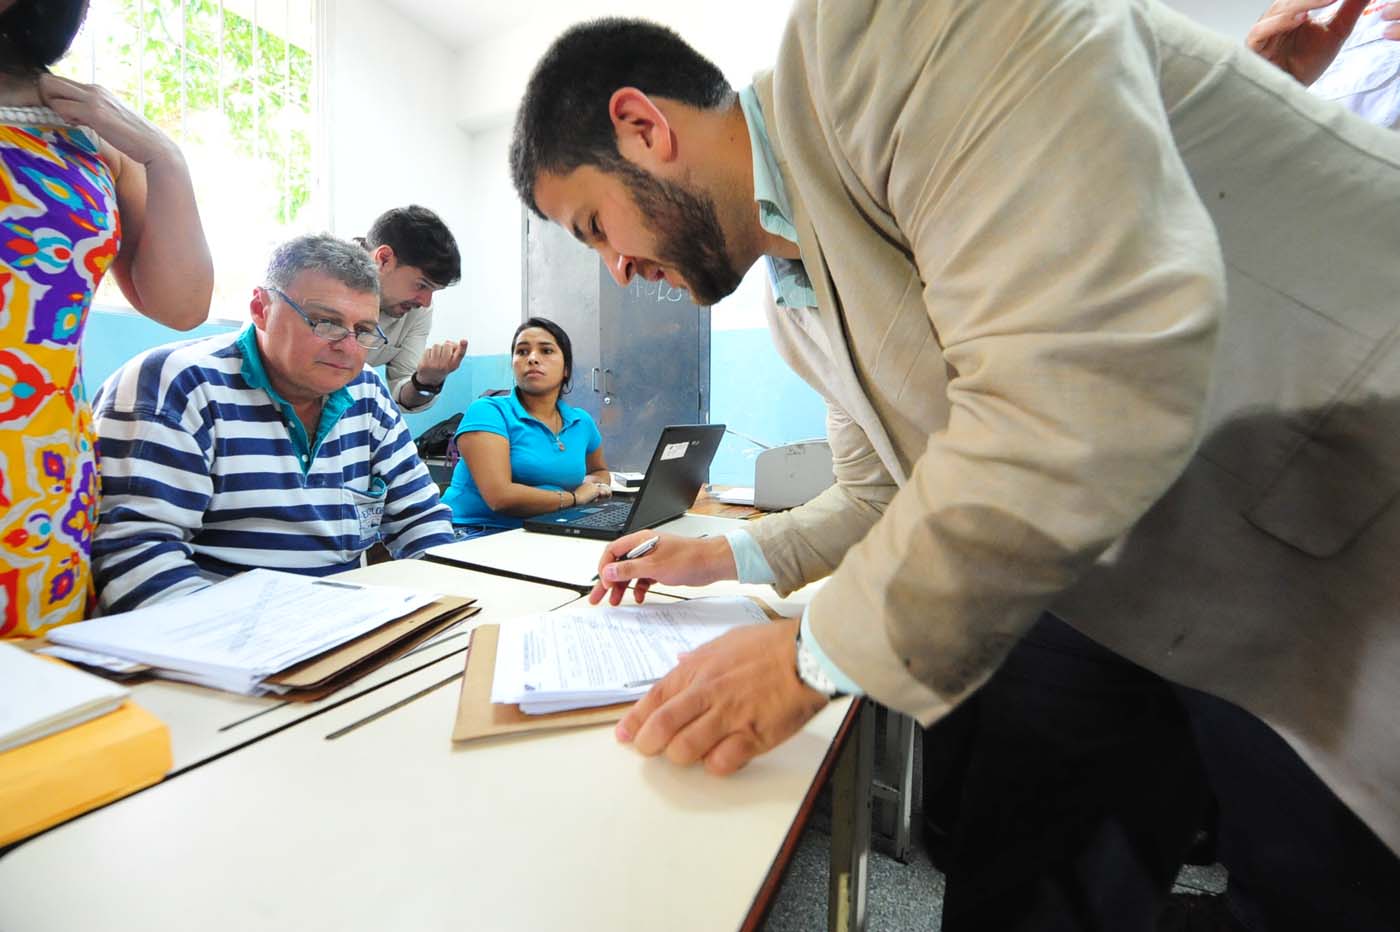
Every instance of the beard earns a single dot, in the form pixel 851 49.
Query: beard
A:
pixel 396 310
pixel 689 237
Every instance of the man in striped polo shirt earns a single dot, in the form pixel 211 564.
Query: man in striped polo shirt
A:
pixel 272 447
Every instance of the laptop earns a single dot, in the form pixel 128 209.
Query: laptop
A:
pixel 679 467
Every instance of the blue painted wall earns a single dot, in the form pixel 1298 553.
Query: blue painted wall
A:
pixel 114 337
pixel 754 392
pixel 751 389
pixel 477 374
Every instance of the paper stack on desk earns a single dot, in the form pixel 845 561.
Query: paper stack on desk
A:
pixel 627 482
pixel 69 741
pixel 244 634
pixel 585 657
pixel 39 697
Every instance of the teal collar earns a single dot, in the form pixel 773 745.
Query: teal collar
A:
pixel 788 277
pixel 336 403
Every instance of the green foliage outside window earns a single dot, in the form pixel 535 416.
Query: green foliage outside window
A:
pixel 232 83
pixel 195 66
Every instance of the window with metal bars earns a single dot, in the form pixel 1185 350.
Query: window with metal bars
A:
pixel 235 83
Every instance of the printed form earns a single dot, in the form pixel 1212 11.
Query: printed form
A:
pixel 581 657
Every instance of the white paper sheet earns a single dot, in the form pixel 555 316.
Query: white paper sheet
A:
pixel 39 697
pixel 580 657
pixel 736 495
pixel 93 659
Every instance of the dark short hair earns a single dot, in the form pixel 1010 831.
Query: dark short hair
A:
pixel 34 35
pixel 340 259
pixel 419 238
pixel 563 121
pixel 566 346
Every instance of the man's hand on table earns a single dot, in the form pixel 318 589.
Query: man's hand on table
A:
pixel 726 702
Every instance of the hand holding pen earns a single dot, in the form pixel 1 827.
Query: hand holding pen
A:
pixel 646 558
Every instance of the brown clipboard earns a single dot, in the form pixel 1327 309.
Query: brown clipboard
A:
pixel 478 717
pixel 320 676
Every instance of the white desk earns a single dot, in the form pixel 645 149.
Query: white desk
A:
pixel 554 558
pixel 574 561
pixel 389 826
pixel 205 723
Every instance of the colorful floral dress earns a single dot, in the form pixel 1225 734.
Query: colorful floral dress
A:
pixel 58 234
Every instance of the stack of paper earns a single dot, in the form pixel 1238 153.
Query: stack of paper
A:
pixel 237 634
pixel 627 481
pixel 734 495
pixel 39 697
pixel 579 658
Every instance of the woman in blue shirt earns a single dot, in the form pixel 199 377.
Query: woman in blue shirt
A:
pixel 527 453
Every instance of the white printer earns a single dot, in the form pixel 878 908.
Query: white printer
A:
pixel 788 475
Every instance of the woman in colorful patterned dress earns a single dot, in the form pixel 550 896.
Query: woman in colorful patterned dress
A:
pixel 85 186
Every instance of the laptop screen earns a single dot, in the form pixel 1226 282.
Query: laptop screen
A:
pixel 679 466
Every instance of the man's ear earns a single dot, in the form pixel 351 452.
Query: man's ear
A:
pixel 259 306
pixel 644 134
pixel 383 256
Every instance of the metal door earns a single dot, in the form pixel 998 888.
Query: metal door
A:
pixel 641 353
pixel 655 366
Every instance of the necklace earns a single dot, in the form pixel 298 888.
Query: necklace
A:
pixel 558 441
pixel 29 115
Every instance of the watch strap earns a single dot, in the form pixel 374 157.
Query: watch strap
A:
pixel 424 389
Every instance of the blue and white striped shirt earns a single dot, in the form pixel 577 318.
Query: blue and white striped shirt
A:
pixel 206 472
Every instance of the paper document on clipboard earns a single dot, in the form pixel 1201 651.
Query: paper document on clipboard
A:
pixel 579 658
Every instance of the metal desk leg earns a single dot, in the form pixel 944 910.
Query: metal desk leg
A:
pixel 894 791
pixel 850 826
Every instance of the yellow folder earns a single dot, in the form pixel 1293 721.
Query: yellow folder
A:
pixel 56 778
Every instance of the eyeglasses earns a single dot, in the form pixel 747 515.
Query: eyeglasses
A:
pixel 329 330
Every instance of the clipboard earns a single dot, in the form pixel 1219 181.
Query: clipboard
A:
pixel 320 676
pixel 478 717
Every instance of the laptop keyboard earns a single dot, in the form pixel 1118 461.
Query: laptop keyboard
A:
pixel 609 516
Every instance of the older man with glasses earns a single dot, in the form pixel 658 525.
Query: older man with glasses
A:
pixel 271 447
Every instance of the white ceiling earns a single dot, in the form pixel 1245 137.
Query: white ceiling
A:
pixel 460 23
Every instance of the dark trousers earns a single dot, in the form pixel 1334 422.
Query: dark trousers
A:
pixel 1299 859
pixel 1072 785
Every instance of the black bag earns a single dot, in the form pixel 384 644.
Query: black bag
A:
pixel 434 441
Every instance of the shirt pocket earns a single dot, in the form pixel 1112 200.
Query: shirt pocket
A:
pixel 1304 414
pixel 367 508
pixel 1345 469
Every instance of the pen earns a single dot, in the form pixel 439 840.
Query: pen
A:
pixel 641 550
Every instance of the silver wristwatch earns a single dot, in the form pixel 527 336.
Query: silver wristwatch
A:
pixel 811 672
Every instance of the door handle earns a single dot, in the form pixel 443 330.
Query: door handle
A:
pixel 593 378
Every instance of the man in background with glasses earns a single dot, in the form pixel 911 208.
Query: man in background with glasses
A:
pixel 272 447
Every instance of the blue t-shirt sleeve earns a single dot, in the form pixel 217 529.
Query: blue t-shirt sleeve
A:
pixel 484 414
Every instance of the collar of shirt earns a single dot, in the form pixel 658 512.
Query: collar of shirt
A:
pixel 568 414
pixel 788 277
pixel 255 374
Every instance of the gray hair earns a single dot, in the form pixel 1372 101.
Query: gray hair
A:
pixel 344 261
